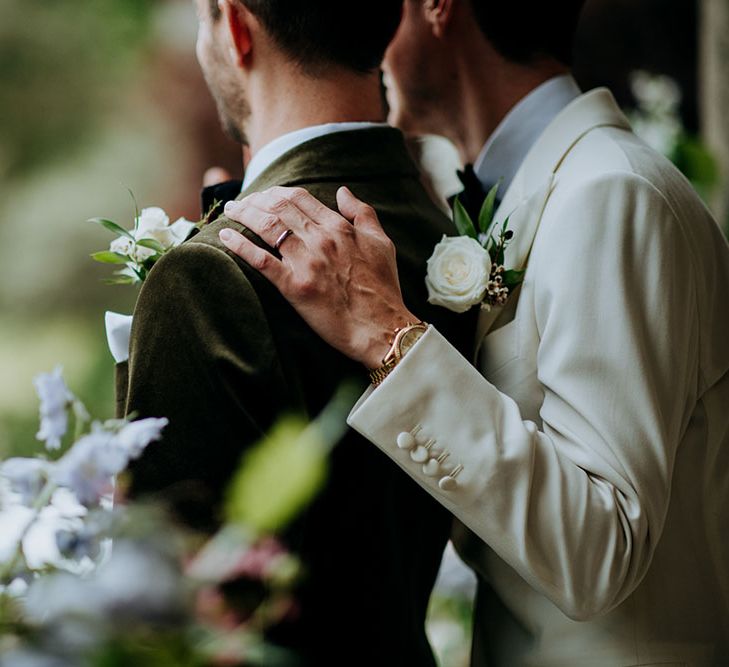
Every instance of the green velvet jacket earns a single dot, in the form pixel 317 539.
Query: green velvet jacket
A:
pixel 217 350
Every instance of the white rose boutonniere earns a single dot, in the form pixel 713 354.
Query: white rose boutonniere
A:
pixel 469 269
pixel 139 248
pixel 458 273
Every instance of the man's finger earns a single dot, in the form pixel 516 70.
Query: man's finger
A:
pixel 215 175
pixel 356 211
pixel 262 260
pixel 269 217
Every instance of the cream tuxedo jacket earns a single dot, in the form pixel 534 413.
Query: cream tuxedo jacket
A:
pixel 591 452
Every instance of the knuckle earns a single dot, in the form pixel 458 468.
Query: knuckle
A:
pixel 306 286
pixel 269 224
pixel 367 211
pixel 328 246
pixel 278 205
pixel 296 194
pixel 261 261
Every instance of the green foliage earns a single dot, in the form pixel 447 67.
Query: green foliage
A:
pixel 108 257
pixel 697 163
pixel 278 476
pixel 283 473
pixel 486 216
pixel 61 64
pixel 463 221
pixel 113 227
pixel 152 245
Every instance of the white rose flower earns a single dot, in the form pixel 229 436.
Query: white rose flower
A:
pixel 150 220
pixel 180 229
pixel 458 273
pixel 153 223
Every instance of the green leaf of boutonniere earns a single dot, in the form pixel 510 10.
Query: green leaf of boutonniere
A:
pixel 112 227
pixel 513 278
pixel 486 216
pixel 108 257
pixel 463 221
pixel 152 245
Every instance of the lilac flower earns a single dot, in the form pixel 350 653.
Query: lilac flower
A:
pixel 88 467
pixel 139 582
pixel 135 436
pixel 55 399
pixel 26 477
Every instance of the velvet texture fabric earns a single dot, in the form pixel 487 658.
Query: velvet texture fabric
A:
pixel 217 350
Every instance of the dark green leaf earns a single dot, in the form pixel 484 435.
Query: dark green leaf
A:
pixel 513 278
pixel 463 221
pixel 486 216
pixel 152 245
pixel 108 257
pixel 112 227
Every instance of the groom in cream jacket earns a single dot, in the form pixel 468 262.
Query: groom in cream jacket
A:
pixel 586 457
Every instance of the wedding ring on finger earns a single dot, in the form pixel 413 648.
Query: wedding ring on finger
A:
pixel 281 239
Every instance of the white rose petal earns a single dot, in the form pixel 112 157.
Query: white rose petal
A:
pixel 122 245
pixel 458 273
pixel 181 229
pixel 151 219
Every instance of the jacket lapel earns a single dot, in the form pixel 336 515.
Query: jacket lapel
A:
pixel 526 199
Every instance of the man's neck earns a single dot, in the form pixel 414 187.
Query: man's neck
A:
pixel 486 92
pixel 293 101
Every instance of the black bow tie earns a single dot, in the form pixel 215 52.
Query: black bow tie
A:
pixel 473 194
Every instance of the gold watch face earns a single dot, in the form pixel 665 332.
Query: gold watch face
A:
pixel 409 339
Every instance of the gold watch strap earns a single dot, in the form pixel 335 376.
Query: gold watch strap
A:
pixel 391 359
pixel 377 376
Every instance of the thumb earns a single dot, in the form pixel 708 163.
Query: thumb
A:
pixel 362 215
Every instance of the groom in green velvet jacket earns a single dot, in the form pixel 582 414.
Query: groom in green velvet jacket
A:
pixel 217 350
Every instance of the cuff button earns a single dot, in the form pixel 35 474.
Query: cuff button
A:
pixel 406 441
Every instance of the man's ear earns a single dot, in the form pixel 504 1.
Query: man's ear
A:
pixel 238 19
pixel 439 14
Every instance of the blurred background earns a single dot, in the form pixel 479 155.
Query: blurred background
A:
pixel 99 98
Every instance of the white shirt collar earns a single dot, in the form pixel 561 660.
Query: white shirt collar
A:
pixel 508 146
pixel 283 144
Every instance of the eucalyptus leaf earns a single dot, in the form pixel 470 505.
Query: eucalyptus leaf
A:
pixel 152 245
pixel 108 257
pixel 486 216
pixel 112 227
pixel 463 221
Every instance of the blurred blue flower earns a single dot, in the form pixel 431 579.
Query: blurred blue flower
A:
pixel 26 477
pixel 135 436
pixel 55 399
pixel 88 467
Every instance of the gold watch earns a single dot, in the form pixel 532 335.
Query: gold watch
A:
pixel 403 340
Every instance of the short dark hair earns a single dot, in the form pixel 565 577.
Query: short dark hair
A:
pixel 317 34
pixel 524 30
